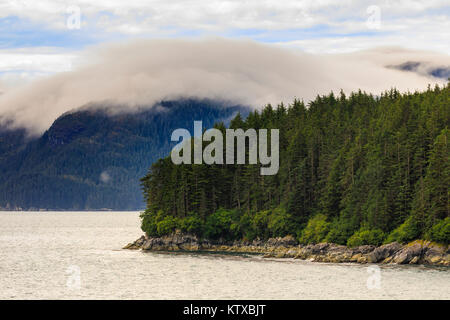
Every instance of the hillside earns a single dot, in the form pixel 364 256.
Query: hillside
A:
pixel 90 160
pixel 353 170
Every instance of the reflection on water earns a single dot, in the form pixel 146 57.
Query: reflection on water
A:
pixel 78 255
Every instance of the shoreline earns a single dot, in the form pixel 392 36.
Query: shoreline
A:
pixel 416 252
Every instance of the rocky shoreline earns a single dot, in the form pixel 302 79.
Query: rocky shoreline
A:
pixel 416 252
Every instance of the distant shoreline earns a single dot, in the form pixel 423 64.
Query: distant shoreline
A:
pixel 416 252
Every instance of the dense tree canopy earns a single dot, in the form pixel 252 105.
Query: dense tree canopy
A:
pixel 353 170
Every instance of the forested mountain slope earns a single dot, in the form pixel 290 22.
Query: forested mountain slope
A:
pixel 353 170
pixel 91 160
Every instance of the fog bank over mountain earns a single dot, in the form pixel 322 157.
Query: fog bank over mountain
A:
pixel 145 72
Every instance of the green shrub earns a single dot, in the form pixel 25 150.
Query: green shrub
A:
pixel 406 232
pixel 440 232
pixel 260 224
pixel 364 237
pixel 219 224
pixel 281 223
pixel 192 224
pixel 246 228
pixel 316 230
pixel 167 225
pixel 341 229
pixel 149 222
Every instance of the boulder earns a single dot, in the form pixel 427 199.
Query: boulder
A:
pixel 365 249
pixel 408 253
pixel 436 254
pixel 383 252
pixel 355 257
pixel 288 241
pixel 274 243
pixel 318 248
pixel 414 260
pixel 136 244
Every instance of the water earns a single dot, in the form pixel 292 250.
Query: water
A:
pixel 78 255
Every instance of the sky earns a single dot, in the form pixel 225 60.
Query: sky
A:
pixel 40 38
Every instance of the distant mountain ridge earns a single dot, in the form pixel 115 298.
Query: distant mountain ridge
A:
pixel 421 68
pixel 89 160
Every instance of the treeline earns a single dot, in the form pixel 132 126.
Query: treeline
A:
pixel 354 170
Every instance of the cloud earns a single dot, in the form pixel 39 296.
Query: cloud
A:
pixel 427 22
pixel 44 60
pixel 144 72
pixel 220 14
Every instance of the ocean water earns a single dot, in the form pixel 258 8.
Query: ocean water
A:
pixel 78 255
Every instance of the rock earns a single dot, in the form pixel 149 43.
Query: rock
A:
pixel 288 241
pixel 387 260
pixel 383 252
pixel 401 258
pixel 355 257
pixel 434 253
pixel 336 253
pixel 321 247
pixel 435 260
pixel 257 242
pixel 362 259
pixel 316 248
pixel 287 247
pixel 129 246
pixel 339 253
pixel 446 260
pixel 301 254
pixel 137 244
pixel 408 253
pixel 189 247
pixel 147 245
pixel 365 249
pixel 291 253
pixel 414 260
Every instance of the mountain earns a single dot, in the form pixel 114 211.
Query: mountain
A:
pixel 89 159
pixel 424 69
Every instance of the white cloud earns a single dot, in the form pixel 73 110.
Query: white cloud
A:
pixel 20 66
pixel 323 27
pixel 138 17
pixel 32 60
pixel 147 71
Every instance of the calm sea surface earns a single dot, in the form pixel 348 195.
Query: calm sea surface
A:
pixel 78 255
